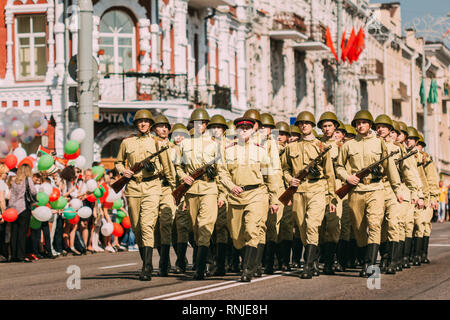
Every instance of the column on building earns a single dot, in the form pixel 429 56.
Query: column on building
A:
pixel 289 87
pixel 165 31
pixel 51 44
pixel 224 60
pixel 144 44
pixel 180 46
pixel 9 17
pixel 59 39
pixel 73 28
pixel 155 36
pixel 242 68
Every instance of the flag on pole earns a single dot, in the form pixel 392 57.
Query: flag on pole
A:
pixel 343 47
pixel 350 43
pixel 422 94
pixel 433 94
pixel 330 43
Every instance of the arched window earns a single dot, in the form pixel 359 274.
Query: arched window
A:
pixel 117 41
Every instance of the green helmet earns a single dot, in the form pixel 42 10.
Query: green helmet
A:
pixel 422 140
pixel 341 126
pixel 161 119
pixel 218 120
pixel 267 120
pixel 362 115
pixel 253 114
pixel 199 115
pixel 396 126
pixel 384 119
pixel 295 129
pixel 350 129
pixel 180 128
pixel 143 114
pixel 413 133
pixel 305 116
pixel 403 127
pixel 283 127
pixel 328 116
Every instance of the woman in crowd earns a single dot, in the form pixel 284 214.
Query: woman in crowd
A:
pixel 4 196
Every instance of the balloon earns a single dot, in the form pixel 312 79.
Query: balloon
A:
pixel 42 213
pixel 28 136
pixel 107 205
pixel 117 230
pixel 107 229
pixel 118 204
pixel 20 153
pixel 44 124
pixel 46 188
pixel 78 135
pixel 45 162
pixel 17 128
pixel 59 204
pixel 98 193
pixel 10 161
pixel 105 192
pixel 69 213
pixel 126 223
pixel 28 161
pixel 91 185
pixel 74 220
pixel 118 220
pixel 84 212
pixel 76 204
pixel 91 198
pixel 98 172
pixel 2 129
pixel 4 148
pixel 121 214
pixel 71 147
pixel 35 223
pixel 80 162
pixel 54 195
pixel 42 198
pixel 72 156
pixel 112 195
pixel 10 215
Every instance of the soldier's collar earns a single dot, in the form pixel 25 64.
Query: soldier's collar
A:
pixel 141 135
pixel 309 137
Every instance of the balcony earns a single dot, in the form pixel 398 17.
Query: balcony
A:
pixel 211 96
pixel 316 39
pixel 372 70
pixel 202 4
pixel 287 25
pixel 401 93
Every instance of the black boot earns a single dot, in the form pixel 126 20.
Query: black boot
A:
pixel 316 270
pixel 147 266
pixel 194 257
pixel 297 248
pixel 413 250
pixel 248 268
pixel 278 256
pixel 164 260
pixel 392 253
pixel 361 256
pixel 309 256
pixel 417 251
pixel 342 254
pixel 270 247
pixel 426 241
pixel 202 254
pixel 406 253
pixel 352 254
pixel 399 257
pixel 370 259
pixel 235 260
pixel 141 253
pixel 259 257
pixel 181 258
pixel 384 256
pixel 220 259
pixel 286 255
pixel 328 258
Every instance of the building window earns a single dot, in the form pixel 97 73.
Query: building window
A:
pixel 364 95
pixel 444 106
pixel 31 46
pixel 397 108
pixel 420 122
pixel 117 42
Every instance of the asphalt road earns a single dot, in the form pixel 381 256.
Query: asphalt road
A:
pixel 105 276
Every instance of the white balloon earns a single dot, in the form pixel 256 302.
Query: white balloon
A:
pixel 107 229
pixel 80 162
pixel 17 127
pixel 91 185
pixel 78 135
pixel 85 212
pixel 20 153
pixel 76 204
pixel 4 148
pixel 42 213
pixel 112 195
pixel 33 155
pixel 46 188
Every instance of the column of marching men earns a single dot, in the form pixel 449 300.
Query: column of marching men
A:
pixel 252 196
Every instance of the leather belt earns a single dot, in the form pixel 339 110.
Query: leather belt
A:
pixel 366 180
pixel 147 179
pixel 250 187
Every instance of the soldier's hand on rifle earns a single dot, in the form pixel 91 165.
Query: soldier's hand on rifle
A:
pixel 274 208
pixel 376 171
pixel 353 180
pixel 184 208
pixel 220 203
pixel 290 203
pixel 295 182
pixel 237 190
pixel 127 173
pixel 420 204
pixel 400 198
pixel 332 208
pixel 188 180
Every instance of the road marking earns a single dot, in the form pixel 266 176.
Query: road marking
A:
pixel 439 245
pixel 118 266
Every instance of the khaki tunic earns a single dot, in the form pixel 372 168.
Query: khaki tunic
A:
pixel 433 183
pixel 420 215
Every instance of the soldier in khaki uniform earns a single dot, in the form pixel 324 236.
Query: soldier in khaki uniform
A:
pixel 314 193
pixel 248 175
pixel 201 198
pixel 144 192
pixel 366 200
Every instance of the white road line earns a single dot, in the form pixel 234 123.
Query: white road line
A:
pixel 118 266
pixel 439 245
pixel 186 291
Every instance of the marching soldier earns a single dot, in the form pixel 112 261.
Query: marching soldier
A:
pixel 246 171
pixel 314 193
pixel 295 132
pixel 201 198
pixel 144 192
pixel 366 200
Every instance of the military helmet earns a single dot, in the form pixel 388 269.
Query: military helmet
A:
pixel 362 115
pixel 161 119
pixel 143 114
pixel 231 129
pixel 306 116
pixel 179 128
pixel 341 126
pixel 422 140
pixel 191 132
pixel 253 114
pixel 267 120
pixel 217 120
pixel 403 127
pixel 396 126
pixel 350 129
pixel 199 115
pixel 413 133
pixel 328 116
pixel 283 127
pixel 384 119
pixel 295 129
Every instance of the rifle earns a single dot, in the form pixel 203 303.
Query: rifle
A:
pixel 123 181
pixel 406 156
pixel 342 192
pixel 289 192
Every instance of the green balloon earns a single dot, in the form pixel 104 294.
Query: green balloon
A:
pixel 45 162
pixel 98 193
pixel 98 172
pixel 119 220
pixel 71 147
pixel 42 199
pixel 118 204
pixel 121 214
pixel 35 223
pixel 69 213
pixel 59 204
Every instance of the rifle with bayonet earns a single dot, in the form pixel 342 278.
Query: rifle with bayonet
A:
pixel 123 181
pixel 346 188
pixel 406 156
pixel 289 192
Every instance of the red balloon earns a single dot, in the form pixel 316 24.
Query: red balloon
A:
pixel 91 198
pixel 54 195
pixel 105 194
pixel 107 205
pixel 126 223
pixel 72 156
pixel 10 215
pixel 48 205
pixel 28 161
pixel 75 219
pixel 10 161
pixel 118 230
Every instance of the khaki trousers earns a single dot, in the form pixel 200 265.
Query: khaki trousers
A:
pixel 183 223
pixel 419 222
pixel 143 215
pixel 332 224
pixel 428 217
pixel 286 231
pixel 167 208
pixel 203 212
pixel 409 219
pixel 390 230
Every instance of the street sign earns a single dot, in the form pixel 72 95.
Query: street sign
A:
pixel 73 68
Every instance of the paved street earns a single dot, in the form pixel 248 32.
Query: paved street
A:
pixel 114 276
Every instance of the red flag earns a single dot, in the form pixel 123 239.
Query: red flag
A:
pixel 361 43
pixel 330 43
pixel 343 47
pixel 350 42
